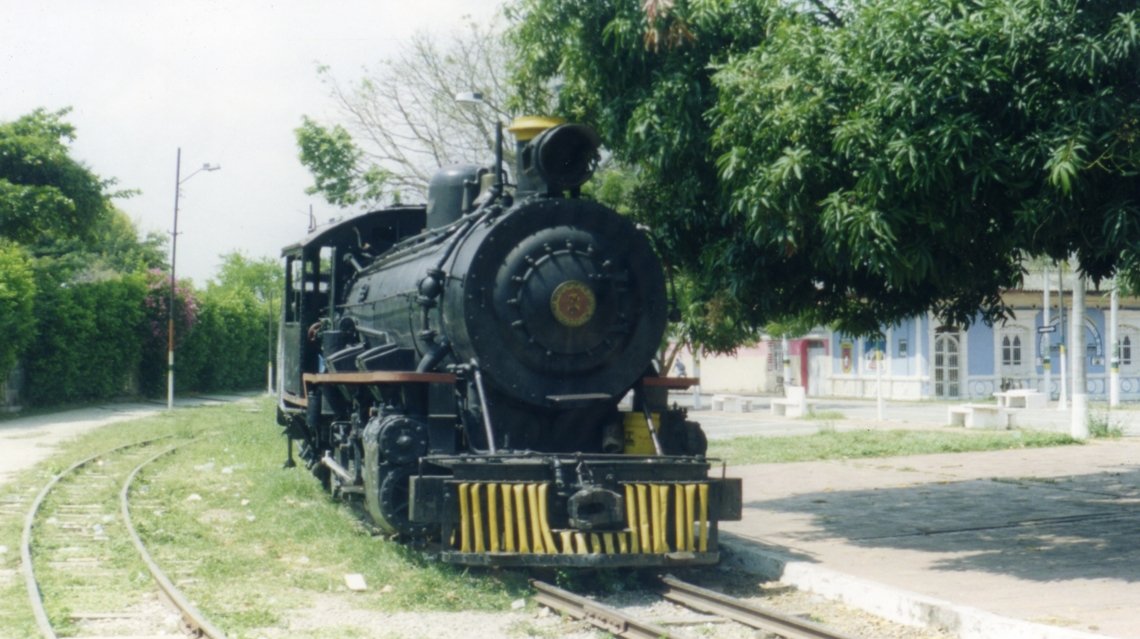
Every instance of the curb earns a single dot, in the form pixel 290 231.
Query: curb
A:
pixel 895 604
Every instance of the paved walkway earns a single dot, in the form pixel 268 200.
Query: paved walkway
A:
pixel 1040 543
pixel 25 441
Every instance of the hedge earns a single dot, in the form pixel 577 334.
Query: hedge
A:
pixel 102 340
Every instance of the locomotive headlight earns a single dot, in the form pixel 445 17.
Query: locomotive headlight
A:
pixel 563 157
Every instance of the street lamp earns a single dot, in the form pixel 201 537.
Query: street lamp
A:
pixel 178 181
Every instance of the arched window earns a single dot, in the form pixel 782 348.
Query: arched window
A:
pixel 1126 351
pixel 1011 350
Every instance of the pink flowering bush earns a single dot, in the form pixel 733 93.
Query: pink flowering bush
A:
pixel 152 373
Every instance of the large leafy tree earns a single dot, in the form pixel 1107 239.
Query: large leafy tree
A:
pixel 17 296
pixel 913 157
pixel 46 194
pixel 260 277
pixel 57 226
pixel 863 165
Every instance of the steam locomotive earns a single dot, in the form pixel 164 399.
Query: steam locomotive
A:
pixel 480 371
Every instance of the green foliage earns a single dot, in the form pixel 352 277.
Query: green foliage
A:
pixel 112 246
pixel 116 245
pixel 1103 426
pixel 17 295
pixel 226 348
pixel 909 159
pixel 262 277
pixel 44 192
pixel 340 173
pixel 86 345
pixel 857 171
pixel 99 322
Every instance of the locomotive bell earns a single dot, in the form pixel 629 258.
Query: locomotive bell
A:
pixel 553 156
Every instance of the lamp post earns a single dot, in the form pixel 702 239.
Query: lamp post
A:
pixel 178 181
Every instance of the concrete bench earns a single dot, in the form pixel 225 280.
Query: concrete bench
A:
pixel 732 403
pixel 990 416
pixel 1020 398
pixel 793 404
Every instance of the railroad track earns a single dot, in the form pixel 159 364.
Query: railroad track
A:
pixel 621 624
pixel 77 537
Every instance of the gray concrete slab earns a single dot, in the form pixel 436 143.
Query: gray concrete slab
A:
pixel 1024 543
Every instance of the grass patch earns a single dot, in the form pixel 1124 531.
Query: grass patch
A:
pixel 1102 426
pixel 823 415
pixel 245 538
pixel 874 443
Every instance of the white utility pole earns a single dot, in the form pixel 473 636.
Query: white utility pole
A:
pixel 787 363
pixel 1114 345
pixel 1062 401
pixel 879 385
pixel 1046 343
pixel 1080 421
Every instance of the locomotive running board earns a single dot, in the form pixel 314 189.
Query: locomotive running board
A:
pixel 379 377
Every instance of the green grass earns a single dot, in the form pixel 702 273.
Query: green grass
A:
pixel 822 415
pixel 1103 426
pixel 874 443
pixel 247 537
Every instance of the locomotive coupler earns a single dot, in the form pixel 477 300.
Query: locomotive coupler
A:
pixel 595 508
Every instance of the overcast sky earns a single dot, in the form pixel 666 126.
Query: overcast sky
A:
pixel 225 80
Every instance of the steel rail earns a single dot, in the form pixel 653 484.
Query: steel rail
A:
pixel 758 617
pixel 35 597
pixel 605 617
pixel 190 613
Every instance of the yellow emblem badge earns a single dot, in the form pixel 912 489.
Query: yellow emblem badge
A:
pixel 573 303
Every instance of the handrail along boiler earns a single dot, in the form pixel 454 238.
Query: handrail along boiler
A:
pixel 461 367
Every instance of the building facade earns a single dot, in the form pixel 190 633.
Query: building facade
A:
pixel 922 358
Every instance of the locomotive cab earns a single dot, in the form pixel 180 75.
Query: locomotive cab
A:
pixel 317 272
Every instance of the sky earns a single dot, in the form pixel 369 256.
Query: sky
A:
pixel 227 81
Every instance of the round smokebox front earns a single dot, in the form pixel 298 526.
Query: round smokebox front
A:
pixel 577 306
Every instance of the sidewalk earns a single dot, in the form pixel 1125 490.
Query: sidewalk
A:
pixel 1040 543
pixel 25 441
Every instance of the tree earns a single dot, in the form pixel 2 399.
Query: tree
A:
pixel 261 277
pixel 87 342
pixel 914 157
pixel 340 172
pixel 643 79
pixel 258 284
pixel 112 247
pixel 402 122
pixel 44 193
pixel 858 168
pixel 17 296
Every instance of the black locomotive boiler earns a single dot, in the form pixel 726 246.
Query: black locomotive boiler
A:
pixel 480 371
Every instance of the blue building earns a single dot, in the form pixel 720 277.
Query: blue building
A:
pixel 923 358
